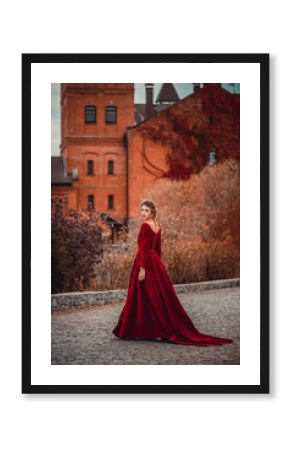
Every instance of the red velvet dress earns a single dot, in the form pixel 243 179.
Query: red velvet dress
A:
pixel 152 309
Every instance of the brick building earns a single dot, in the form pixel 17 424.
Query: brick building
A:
pixel 113 150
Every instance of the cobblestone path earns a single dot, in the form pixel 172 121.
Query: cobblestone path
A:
pixel 85 336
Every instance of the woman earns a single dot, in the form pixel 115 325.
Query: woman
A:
pixel 152 309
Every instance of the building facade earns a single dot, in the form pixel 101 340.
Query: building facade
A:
pixel 95 118
pixel 112 151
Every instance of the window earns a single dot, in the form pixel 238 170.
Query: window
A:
pixel 212 156
pixel 110 167
pixel 91 202
pixel 111 114
pixel 110 201
pixel 90 114
pixel 90 167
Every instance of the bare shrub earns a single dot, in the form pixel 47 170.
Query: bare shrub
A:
pixel 76 247
pixel 113 271
pixel 186 261
pixel 223 259
pixel 201 223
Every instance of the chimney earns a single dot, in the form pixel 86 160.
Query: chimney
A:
pixel 195 86
pixel 149 108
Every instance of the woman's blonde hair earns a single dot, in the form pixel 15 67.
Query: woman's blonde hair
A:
pixel 150 205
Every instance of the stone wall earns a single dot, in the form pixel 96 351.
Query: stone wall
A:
pixel 90 298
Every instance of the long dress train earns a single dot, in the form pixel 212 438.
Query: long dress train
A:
pixel 152 309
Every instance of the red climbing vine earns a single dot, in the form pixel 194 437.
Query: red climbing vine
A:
pixel 192 127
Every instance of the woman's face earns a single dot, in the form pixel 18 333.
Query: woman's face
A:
pixel 146 212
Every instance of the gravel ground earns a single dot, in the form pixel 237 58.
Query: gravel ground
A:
pixel 85 336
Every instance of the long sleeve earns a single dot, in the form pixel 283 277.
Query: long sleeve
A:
pixel 144 245
pixel 158 246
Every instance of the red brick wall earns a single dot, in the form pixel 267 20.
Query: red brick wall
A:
pixel 68 195
pixel 99 142
pixel 147 163
pixel 174 144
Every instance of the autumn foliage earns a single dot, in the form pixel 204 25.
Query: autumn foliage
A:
pixel 200 230
pixel 200 221
pixel 76 248
pixel 210 118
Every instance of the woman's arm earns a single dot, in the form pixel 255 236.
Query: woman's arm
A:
pixel 158 243
pixel 144 245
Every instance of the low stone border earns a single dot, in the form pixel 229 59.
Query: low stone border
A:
pixel 89 298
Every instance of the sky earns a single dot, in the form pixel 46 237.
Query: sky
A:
pixel 183 90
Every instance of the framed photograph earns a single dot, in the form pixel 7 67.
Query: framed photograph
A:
pixel 145 223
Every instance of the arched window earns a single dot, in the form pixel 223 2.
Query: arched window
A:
pixel 90 114
pixel 110 201
pixel 111 114
pixel 110 167
pixel 90 167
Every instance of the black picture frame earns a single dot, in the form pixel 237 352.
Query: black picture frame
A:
pixel 250 58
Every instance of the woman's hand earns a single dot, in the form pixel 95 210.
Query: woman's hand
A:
pixel 141 275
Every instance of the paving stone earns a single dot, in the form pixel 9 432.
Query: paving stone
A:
pixel 85 336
